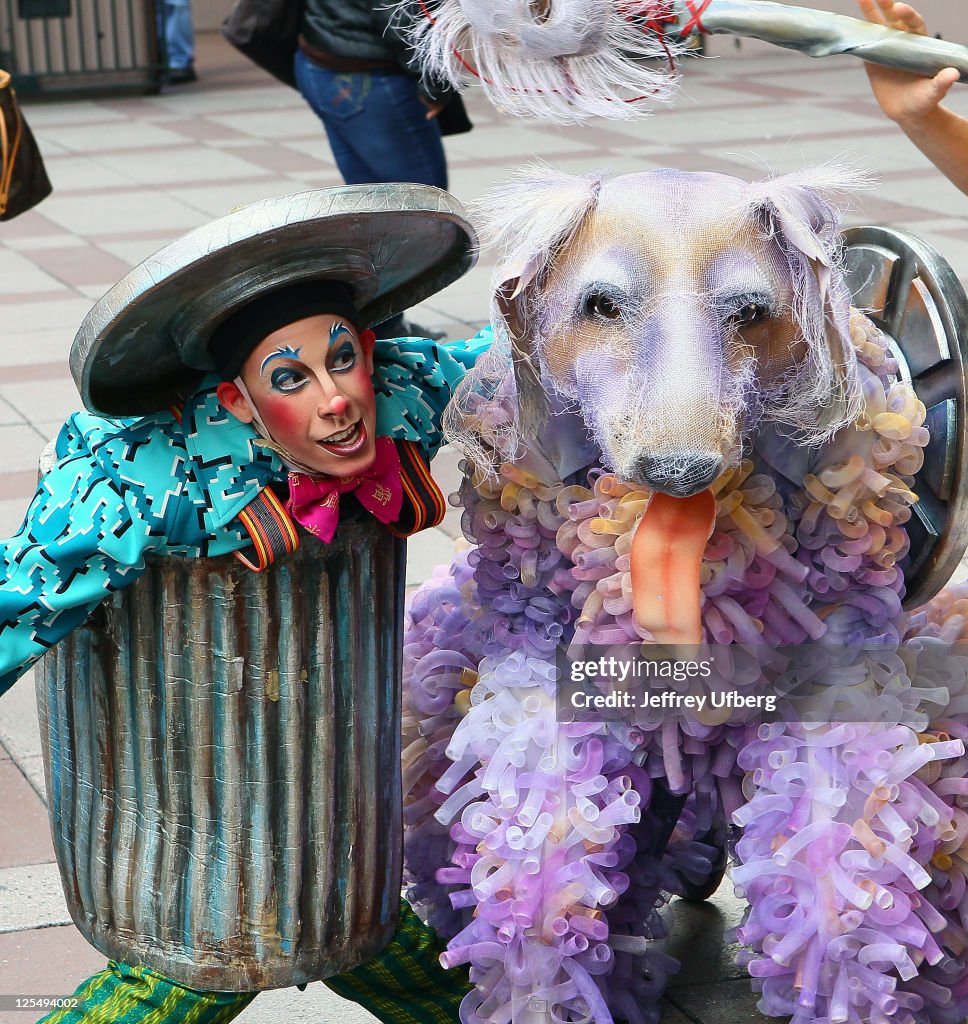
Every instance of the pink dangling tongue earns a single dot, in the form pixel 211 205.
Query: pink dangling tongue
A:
pixel 666 556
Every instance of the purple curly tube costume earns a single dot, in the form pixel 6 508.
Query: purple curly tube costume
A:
pixel 543 849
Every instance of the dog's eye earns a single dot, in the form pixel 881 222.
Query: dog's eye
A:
pixel 750 313
pixel 601 307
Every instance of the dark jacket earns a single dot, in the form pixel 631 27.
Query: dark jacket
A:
pixel 365 30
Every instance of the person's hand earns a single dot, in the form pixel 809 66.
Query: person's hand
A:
pixel 904 96
pixel 914 102
pixel 434 107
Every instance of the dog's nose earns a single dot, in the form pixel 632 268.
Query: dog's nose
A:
pixel 679 477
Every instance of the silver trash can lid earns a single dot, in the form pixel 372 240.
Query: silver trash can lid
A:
pixel 144 344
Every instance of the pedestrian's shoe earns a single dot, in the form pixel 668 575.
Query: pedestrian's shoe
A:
pixel 179 76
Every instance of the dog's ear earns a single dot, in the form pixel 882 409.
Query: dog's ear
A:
pixel 796 216
pixel 529 220
pixel 507 308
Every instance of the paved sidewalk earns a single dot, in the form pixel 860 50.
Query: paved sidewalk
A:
pixel 131 174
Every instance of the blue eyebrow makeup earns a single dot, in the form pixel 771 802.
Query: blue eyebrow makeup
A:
pixel 336 329
pixel 281 353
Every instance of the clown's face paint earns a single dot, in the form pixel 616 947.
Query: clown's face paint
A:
pixel 310 382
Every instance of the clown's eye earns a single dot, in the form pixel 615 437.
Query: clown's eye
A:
pixel 601 307
pixel 287 379
pixel 344 359
pixel 749 313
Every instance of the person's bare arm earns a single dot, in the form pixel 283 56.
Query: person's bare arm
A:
pixel 915 102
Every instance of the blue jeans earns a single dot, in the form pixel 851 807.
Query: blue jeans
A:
pixel 179 32
pixel 376 125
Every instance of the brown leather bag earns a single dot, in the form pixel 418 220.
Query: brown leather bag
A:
pixel 23 179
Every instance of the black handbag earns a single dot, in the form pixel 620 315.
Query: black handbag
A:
pixel 23 178
pixel 453 119
pixel 267 32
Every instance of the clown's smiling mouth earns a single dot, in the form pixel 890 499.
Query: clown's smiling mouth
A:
pixel 345 442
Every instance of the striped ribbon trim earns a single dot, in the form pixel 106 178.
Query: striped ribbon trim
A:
pixel 274 535
pixel 423 503
pixel 271 529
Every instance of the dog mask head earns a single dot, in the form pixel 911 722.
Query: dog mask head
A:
pixel 673 312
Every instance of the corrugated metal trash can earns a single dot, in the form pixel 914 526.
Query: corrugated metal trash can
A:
pixel 222 752
pixel 59 47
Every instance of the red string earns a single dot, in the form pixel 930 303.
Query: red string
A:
pixel 655 19
pixel 695 21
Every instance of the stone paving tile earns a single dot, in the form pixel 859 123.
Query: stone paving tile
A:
pixel 513 138
pixel 19 298
pixel 425 551
pixel 728 1002
pixel 872 152
pixel 288 123
pixel 24 838
pixel 30 242
pixel 18 485
pixel 95 291
pixel 27 225
pixel 19 449
pixel 67 115
pixel 202 130
pixel 58 398
pixel 316 1004
pixel 701 938
pixel 282 159
pixel 8 414
pixel 31 896
pixel 120 136
pixel 133 248
pixel 11 516
pixel 313 146
pixel 68 173
pixel 33 771
pixel 36 370
pixel 185 163
pixel 217 201
pixel 264 97
pixel 30 967
pixel 137 210
pixel 19 729
pixel 936 195
pixel 79 265
pixel 671 1014
pixel 18 274
pixel 63 311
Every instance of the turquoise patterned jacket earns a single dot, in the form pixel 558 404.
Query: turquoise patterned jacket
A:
pixel 122 488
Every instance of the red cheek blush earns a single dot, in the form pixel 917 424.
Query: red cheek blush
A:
pixel 282 416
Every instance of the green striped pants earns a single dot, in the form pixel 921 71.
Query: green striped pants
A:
pixel 403 984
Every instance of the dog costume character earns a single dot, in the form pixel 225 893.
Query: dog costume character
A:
pixel 685 341
pixel 189 480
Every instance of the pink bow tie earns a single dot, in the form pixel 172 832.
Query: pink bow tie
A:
pixel 314 500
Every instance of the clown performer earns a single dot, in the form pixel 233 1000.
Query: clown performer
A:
pixel 239 403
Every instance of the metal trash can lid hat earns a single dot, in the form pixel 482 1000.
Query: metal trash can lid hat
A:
pixel 144 345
